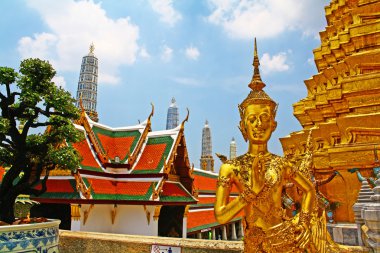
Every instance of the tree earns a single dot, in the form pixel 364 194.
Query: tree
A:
pixel 32 100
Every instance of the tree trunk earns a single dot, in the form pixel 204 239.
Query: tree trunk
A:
pixel 7 208
pixel 8 194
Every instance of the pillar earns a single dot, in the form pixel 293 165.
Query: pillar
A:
pixel 184 227
pixel 213 234
pixel 224 232
pixel 233 235
pixel 241 229
pixel 199 235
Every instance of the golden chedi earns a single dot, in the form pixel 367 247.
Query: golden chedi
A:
pixel 343 103
pixel 260 177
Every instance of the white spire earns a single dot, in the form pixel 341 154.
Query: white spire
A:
pixel 232 149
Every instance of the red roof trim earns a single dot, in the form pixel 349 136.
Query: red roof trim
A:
pixel 113 175
pixel 173 189
pixel 102 201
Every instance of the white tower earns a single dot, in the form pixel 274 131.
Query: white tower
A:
pixel 88 84
pixel 207 161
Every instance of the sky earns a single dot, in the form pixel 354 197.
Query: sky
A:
pixel 198 51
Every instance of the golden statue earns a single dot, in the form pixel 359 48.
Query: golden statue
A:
pixel 260 178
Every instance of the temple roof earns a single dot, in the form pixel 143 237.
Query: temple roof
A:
pixel 127 165
pixel 202 219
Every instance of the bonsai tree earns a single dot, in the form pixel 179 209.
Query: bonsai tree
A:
pixel 36 120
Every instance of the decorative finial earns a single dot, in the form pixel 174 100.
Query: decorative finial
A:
pixel 92 48
pixel 185 120
pixel 206 123
pixel 256 82
pixel 233 139
pixel 173 103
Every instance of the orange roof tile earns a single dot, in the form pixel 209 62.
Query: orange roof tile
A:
pixel 196 219
pixel 116 146
pixel 174 190
pixel 85 151
pixel 204 183
pixel 204 219
pixel 100 186
pixel 61 186
pixel 207 200
pixel 151 157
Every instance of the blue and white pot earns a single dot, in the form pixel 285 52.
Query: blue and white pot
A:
pixel 37 237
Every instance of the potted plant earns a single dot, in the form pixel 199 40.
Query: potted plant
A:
pixel 36 119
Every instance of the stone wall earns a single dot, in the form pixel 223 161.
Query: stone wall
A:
pixel 84 242
pixel 344 233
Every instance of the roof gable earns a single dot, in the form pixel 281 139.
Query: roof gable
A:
pixel 154 155
pixel 117 143
pixel 89 162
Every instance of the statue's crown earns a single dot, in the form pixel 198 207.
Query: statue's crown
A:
pixel 257 94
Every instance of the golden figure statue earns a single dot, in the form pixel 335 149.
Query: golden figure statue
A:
pixel 260 178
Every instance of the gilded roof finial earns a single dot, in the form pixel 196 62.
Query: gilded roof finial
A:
pixel 256 82
pixel 92 48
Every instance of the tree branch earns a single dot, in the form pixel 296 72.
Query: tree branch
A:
pixel 36 192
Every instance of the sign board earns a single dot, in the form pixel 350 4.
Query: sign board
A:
pixel 165 249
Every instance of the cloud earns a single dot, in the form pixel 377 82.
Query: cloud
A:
pixel 186 81
pixel 243 19
pixel 73 26
pixel 167 54
pixel 164 8
pixel 192 53
pixel 59 81
pixel 275 63
pixel 144 53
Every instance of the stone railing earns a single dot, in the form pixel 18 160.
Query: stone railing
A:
pixel 84 242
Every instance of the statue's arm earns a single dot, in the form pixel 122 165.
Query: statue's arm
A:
pixel 307 187
pixel 225 210
pixel 327 180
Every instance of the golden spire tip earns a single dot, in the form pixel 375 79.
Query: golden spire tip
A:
pixel 256 83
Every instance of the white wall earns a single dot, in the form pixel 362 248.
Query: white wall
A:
pixel 130 219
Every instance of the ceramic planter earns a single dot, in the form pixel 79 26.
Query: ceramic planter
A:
pixel 36 237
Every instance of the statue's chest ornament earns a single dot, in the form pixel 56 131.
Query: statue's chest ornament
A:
pixel 268 169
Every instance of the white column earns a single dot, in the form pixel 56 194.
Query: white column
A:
pixel 241 228
pixel 199 235
pixel 213 234
pixel 233 235
pixel 75 225
pixel 224 233
pixel 184 227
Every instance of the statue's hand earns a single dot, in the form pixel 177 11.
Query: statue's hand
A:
pixel 271 178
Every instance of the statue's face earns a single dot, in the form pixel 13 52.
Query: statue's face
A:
pixel 259 123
